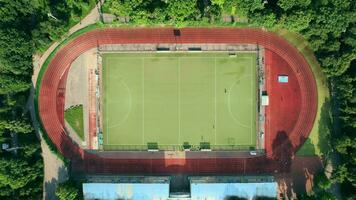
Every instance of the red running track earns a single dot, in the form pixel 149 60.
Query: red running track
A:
pixel 290 116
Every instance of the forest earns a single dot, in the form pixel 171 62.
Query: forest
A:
pixel 28 27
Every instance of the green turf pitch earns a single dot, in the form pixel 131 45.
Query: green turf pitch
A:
pixel 176 98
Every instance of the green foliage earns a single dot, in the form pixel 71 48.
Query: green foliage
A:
pixel 296 21
pixel 340 174
pixel 181 10
pixel 288 4
pixel 318 196
pixel 322 182
pixel 26 26
pixel 15 13
pixel 21 177
pixel 15 52
pixel 344 144
pixel 220 3
pixel 13 83
pixel 67 191
pixel 17 126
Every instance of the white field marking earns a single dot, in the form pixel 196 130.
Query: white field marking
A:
pixel 130 106
pixel 253 72
pixel 179 111
pixel 215 111
pixel 236 120
pixel 122 57
pixel 143 101
pixel 229 103
pixel 178 56
pixel 106 106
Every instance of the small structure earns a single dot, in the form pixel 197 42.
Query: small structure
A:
pixel 282 78
pixel 108 18
pixel 264 100
pixel 5 146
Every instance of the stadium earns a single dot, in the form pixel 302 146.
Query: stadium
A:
pixel 195 101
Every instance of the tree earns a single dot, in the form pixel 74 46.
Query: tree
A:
pixel 15 52
pixel 18 126
pixel 342 144
pixel 296 20
pixel 220 3
pixel 13 84
pixel 339 174
pixel 336 64
pixel 267 20
pixel 181 10
pixel 322 182
pixel 67 191
pixel 288 4
pixel 16 173
pixel 250 6
pixel 15 14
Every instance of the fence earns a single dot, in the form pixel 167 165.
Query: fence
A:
pixel 242 148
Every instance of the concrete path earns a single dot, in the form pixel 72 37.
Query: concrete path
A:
pixel 54 168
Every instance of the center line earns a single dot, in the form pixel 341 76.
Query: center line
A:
pixel 143 101
pixel 215 122
pixel 179 101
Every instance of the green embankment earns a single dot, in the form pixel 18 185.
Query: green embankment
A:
pixel 74 117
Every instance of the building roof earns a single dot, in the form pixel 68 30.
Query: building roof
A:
pixel 217 191
pixel 201 188
pixel 132 191
pixel 283 79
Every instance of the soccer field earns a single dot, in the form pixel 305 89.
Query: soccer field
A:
pixel 171 99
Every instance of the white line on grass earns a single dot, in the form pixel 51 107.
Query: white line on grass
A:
pixel 252 97
pixel 143 101
pixel 179 112
pixel 215 121
pixel 106 107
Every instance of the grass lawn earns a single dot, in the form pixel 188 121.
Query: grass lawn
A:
pixel 74 117
pixel 317 143
pixel 171 99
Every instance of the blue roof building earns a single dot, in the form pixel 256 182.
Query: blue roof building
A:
pixel 201 188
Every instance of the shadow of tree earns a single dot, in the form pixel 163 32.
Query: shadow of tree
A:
pixel 282 150
pixel 50 186
pixel 234 198
pixel 263 198
pixel 325 127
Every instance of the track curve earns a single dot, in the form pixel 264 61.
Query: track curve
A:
pixel 51 113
